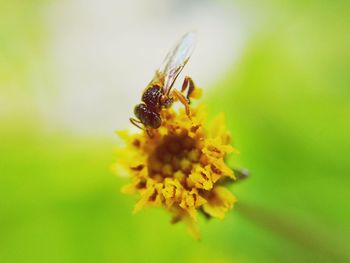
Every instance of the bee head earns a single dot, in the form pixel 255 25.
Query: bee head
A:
pixel 147 116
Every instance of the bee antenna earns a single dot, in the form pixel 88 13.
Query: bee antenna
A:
pixel 136 123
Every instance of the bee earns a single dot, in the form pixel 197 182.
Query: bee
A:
pixel 160 93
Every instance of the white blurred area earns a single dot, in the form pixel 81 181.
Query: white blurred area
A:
pixel 105 52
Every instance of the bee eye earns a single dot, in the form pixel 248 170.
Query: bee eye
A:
pixel 140 110
pixel 155 121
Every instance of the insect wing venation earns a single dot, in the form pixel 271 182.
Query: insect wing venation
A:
pixel 176 60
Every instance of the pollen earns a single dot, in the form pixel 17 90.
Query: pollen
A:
pixel 181 167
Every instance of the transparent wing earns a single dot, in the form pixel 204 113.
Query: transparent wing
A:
pixel 176 59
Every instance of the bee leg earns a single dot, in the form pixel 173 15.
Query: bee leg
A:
pixel 149 132
pixel 137 123
pixel 178 95
pixel 188 82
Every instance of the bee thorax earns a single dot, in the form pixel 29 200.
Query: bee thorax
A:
pixel 166 101
pixel 151 97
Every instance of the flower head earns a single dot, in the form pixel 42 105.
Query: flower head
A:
pixel 180 167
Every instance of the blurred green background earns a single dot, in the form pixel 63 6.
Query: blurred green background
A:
pixel 287 101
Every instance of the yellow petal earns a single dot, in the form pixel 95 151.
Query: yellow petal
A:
pixel 200 178
pixel 218 125
pixel 219 202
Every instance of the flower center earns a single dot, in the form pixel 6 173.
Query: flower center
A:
pixel 173 157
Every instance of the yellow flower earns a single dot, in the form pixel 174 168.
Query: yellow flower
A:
pixel 180 167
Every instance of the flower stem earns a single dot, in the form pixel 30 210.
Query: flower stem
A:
pixel 314 240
